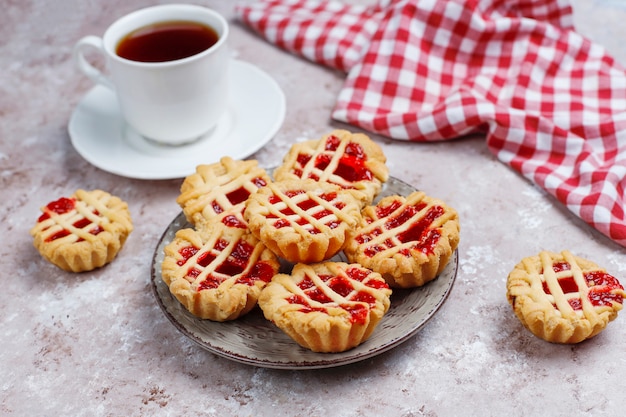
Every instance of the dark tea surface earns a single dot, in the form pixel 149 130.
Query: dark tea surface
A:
pixel 166 41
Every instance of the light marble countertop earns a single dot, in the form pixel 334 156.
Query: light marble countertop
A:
pixel 97 343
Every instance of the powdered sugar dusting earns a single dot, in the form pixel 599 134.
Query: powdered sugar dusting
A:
pixel 530 215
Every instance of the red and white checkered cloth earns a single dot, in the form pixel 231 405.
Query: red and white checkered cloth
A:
pixel 551 103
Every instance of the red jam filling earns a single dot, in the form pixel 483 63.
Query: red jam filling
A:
pixel 293 193
pixel 306 205
pixel 303 159
pixel 235 264
pixel 193 272
pixel 65 205
pixel 312 291
pixel 321 214
pixel 351 165
pixel 306 307
pixel 237 261
pixel 84 222
pixel 58 235
pixel 234 221
pixel 567 284
pixel 306 283
pixel 419 232
pixel 357 274
pixel 333 224
pixel 601 286
pixel 385 211
pixel 216 207
pixel 340 285
pixel 598 278
pixel 259 182
pixel 261 271
pixel 353 169
pixel 328 196
pixel 61 206
pixel 221 244
pixel 365 297
pixel 241 194
pixel 332 143
pixel 358 312
pixel 316 294
pixel 96 230
pixel 561 266
pixel 238 196
pixel 322 161
pixel 279 224
pixel 186 253
pixel 205 259
pixel 376 284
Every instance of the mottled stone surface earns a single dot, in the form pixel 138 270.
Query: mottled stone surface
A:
pixel 97 344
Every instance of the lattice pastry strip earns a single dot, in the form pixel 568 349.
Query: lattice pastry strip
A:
pixel 217 273
pixel 302 220
pixel 84 231
pixel 220 191
pixel 407 240
pixel 327 307
pixel 349 160
pixel 563 298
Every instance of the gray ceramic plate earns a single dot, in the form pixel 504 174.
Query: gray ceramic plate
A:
pixel 255 341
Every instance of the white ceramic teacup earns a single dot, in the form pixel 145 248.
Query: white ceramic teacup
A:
pixel 172 102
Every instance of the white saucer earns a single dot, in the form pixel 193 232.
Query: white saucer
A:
pixel 256 111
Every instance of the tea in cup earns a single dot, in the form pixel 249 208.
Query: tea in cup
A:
pixel 168 66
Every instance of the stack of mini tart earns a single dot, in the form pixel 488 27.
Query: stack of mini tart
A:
pixel 319 203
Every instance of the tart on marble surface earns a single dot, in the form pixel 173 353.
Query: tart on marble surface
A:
pixel 220 190
pixel 82 232
pixel 350 160
pixel 218 272
pixel 302 220
pixel 408 240
pixel 562 298
pixel 328 306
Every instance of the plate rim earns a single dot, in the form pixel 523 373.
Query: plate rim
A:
pixel 332 361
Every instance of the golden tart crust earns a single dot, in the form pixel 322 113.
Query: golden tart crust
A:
pixel 217 273
pixel 562 298
pixel 220 191
pixel 326 307
pixel 302 220
pixel 409 241
pixel 82 232
pixel 349 160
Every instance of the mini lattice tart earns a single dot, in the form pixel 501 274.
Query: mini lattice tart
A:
pixel 217 273
pixel 326 307
pixel 562 298
pixel 220 190
pixel 302 220
pixel 409 241
pixel 350 160
pixel 82 232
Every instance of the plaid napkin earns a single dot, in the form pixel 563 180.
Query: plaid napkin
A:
pixel 551 103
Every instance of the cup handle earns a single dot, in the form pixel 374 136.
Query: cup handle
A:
pixel 89 70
